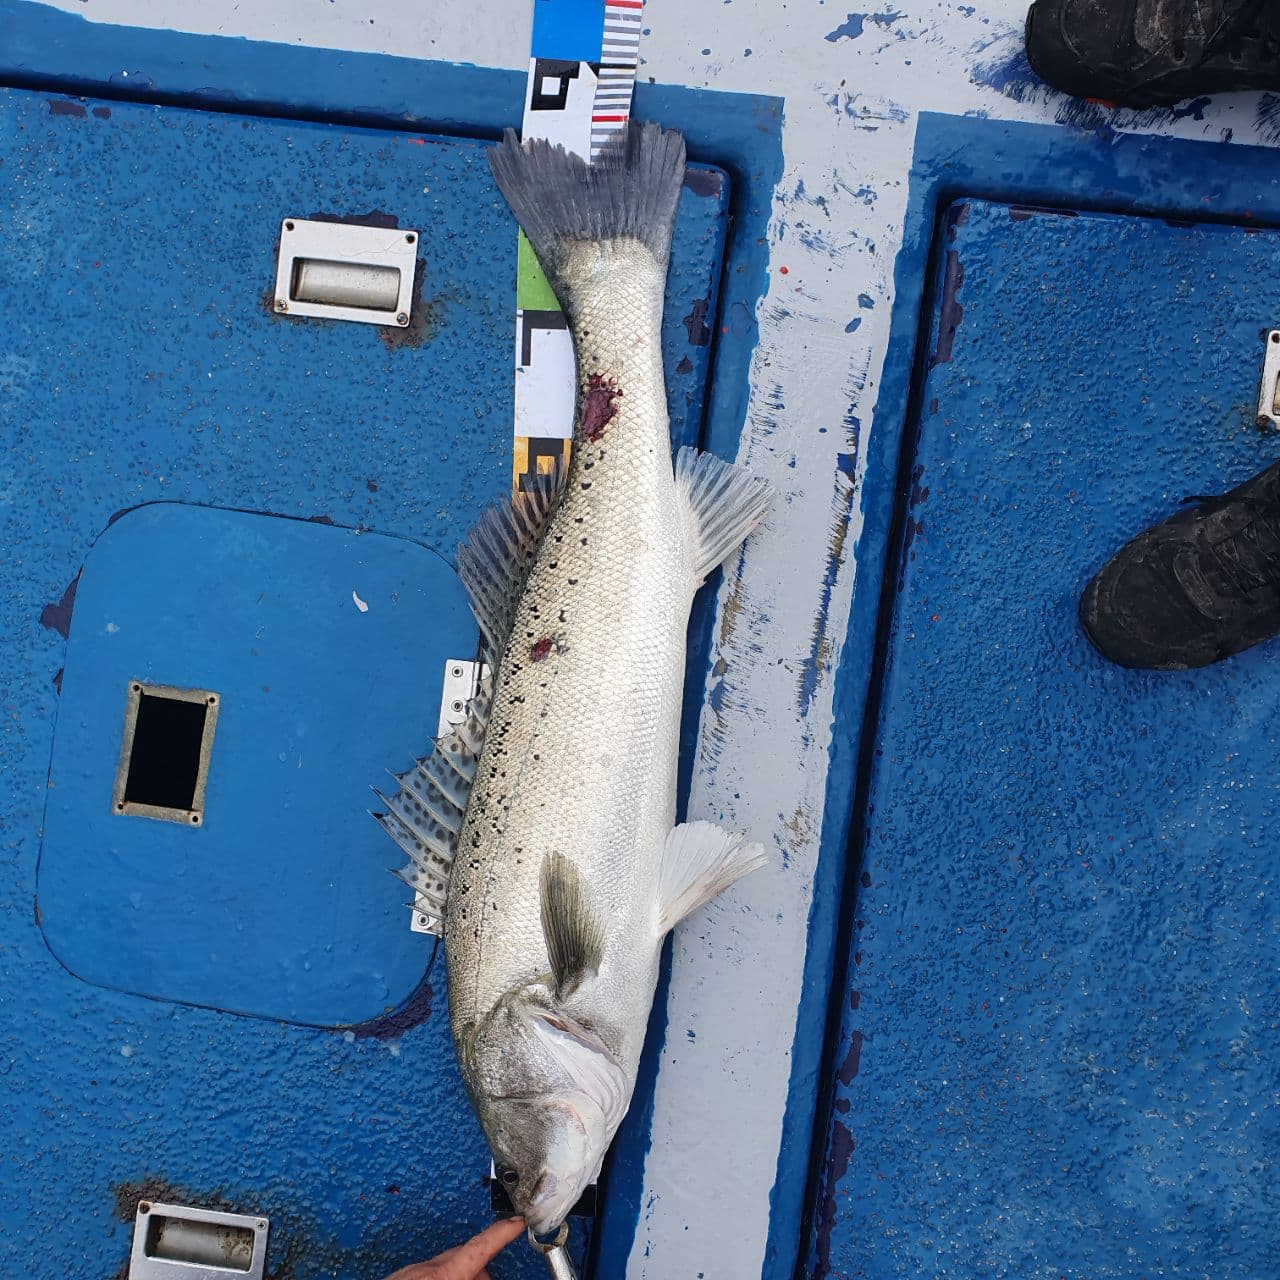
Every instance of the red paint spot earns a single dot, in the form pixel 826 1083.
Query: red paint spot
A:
pixel 786 271
pixel 542 649
pixel 599 405
pixel 417 142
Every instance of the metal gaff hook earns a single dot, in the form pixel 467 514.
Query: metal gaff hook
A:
pixel 555 1254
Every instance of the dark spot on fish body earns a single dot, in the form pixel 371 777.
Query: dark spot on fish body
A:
pixel 685 365
pixel 599 406
pixel 102 113
pixel 65 107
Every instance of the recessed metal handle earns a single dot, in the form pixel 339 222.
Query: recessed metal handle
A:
pixel 345 284
pixel 181 1242
pixel 344 271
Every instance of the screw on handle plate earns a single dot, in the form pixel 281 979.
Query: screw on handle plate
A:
pixel 1269 392
pixel 554 1253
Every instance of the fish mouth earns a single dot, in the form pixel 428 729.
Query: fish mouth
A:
pixel 553 1198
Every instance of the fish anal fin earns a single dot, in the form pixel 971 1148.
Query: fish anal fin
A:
pixel 700 860
pixel 574 937
pixel 723 503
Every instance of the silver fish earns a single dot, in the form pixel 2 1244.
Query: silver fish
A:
pixel 541 831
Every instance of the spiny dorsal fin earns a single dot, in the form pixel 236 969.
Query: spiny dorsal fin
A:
pixel 494 560
pixel 699 861
pixel 724 503
pixel 574 938
pixel 425 814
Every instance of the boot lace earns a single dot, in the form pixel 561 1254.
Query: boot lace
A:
pixel 1250 558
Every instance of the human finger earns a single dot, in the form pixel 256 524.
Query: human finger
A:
pixel 468 1261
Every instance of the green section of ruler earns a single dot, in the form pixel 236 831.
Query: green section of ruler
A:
pixel 533 293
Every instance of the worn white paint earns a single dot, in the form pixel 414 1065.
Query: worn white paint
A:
pixel 851 108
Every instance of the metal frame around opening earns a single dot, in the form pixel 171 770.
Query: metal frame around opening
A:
pixel 194 816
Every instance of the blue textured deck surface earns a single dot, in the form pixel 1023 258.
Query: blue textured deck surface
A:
pixel 1060 1051
pixel 142 363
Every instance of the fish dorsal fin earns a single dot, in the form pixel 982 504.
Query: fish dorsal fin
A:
pixel 724 503
pixel 574 937
pixel 699 861
pixel 494 561
pixel 424 815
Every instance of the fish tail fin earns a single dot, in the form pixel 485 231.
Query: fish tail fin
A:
pixel 558 198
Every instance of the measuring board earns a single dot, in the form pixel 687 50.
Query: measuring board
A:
pixel 581 74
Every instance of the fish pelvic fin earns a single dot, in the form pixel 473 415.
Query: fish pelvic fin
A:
pixel 723 503
pixel 494 561
pixel 424 814
pixel 558 198
pixel 700 860
pixel 574 937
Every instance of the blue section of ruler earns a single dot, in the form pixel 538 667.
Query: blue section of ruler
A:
pixel 569 29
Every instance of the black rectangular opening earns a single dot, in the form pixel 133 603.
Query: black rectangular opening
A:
pixel 164 755
pixel 164 764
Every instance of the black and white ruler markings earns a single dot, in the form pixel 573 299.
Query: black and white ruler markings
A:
pixel 581 76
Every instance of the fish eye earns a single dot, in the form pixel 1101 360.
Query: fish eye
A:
pixel 508 1176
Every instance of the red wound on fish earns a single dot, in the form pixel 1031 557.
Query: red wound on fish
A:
pixel 599 405
pixel 542 649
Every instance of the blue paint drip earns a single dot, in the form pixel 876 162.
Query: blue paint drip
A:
pixel 854 25
pixel 849 29
pixel 812 667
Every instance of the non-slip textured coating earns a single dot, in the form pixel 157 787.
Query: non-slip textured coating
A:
pixel 1060 1045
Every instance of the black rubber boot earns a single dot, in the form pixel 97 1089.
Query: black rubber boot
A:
pixel 1143 53
pixel 1201 586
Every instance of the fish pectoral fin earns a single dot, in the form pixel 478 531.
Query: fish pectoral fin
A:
pixel 424 815
pixel 723 502
pixel 700 860
pixel 574 937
